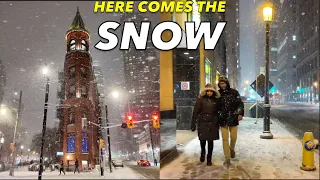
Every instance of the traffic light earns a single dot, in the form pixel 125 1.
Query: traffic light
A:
pixel 130 120
pixel 155 121
pixel 101 143
pixel 11 146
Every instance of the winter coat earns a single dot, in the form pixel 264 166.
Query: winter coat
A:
pixel 230 107
pixel 205 116
pixel 76 163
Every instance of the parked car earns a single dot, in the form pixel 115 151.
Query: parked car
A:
pixel 144 163
pixel 35 167
pixel 4 166
pixel 118 163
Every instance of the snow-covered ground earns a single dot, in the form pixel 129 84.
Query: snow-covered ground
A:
pixel 278 158
pixel 119 173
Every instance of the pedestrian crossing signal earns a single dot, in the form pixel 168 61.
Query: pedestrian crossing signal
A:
pixel 130 121
pixel 155 121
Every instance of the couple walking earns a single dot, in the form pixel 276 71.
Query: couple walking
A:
pixel 215 109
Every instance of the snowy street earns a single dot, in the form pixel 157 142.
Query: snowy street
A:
pixel 306 117
pixel 119 173
pixel 279 158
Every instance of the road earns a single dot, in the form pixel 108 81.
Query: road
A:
pixel 148 172
pixel 298 118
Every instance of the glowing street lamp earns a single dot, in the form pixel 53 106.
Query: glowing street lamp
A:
pixel 3 111
pixel 115 94
pixel 267 12
pixel 267 17
pixel 45 71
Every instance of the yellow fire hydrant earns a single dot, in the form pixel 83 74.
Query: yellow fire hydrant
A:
pixel 308 147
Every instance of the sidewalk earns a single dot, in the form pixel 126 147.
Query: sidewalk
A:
pixel 279 158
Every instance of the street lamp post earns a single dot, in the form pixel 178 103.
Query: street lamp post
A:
pixel 45 72
pixel 21 149
pixel 13 158
pixel 1 144
pixel 28 153
pixel 267 14
pixel 109 144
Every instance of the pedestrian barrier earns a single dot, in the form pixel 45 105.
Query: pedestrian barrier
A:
pixel 308 147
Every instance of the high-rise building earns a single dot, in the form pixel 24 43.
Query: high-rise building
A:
pixel 3 80
pixel 307 53
pixel 286 49
pixel 81 97
pixel 141 68
pixel 231 40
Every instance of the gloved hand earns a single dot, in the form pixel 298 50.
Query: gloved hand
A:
pixel 193 129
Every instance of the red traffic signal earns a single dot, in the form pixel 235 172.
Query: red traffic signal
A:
pixel 155 121
pixel 130 120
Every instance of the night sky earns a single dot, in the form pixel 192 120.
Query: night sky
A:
pixel 33 33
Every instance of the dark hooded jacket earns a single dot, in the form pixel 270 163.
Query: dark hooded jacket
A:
pixel 230 107
pixel 205 116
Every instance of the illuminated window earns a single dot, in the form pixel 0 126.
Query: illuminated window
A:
pixel 294 37
pixel 84 142
pixel 84 145
pixel 72 44
pixel 83 45
pixel 71 145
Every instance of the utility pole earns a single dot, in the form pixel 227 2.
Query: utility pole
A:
pixel 109 144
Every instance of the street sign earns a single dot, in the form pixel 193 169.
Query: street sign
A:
pixel 260 86
pixel 185 86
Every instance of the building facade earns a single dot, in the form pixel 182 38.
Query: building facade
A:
pixel 141 68
pixel 307 54
pixel 287 50
pixel 81 99
pixel 231 40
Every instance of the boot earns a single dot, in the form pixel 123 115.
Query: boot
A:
pixel 232 153
pixel 227 163
pixel 209 160
pixel 202 157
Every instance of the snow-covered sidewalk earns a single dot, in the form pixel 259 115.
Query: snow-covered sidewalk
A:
pixel 278 158
pixel 119 173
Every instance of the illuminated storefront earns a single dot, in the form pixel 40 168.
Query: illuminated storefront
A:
pixel 208 71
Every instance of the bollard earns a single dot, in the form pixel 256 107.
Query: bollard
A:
pixel 308 147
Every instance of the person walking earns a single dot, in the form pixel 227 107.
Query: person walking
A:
pixel 205 120
pixel 76 166
pixel 62 168
pixel 230 113
pixel 155 162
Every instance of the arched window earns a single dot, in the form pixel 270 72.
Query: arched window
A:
pixel 72 44
pixel 84 91
pixel 83 45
